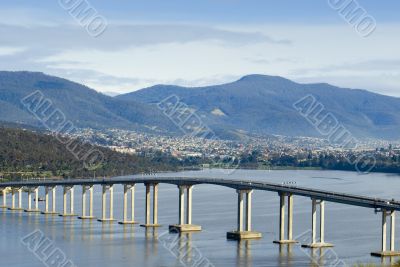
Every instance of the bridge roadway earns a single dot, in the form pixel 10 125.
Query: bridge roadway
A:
pixel 348 199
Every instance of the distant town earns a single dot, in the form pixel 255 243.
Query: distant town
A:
pixel 254 152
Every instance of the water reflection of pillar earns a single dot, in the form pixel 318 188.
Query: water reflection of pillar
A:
pixel 3 216
pixel 87 230
pixel 48 222
pixel 107 231
pixel 68 229
pixel 244 253
pixel 151 242
pixel 317 257
pixel 127 232
pixel 286 255
pixel 185 251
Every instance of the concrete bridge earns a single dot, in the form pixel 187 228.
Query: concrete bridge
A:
pixel 243 188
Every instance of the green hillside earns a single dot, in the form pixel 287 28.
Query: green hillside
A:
pixel 27 154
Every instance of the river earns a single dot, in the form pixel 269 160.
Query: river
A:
pixel 355 231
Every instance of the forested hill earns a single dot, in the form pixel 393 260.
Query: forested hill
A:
pixel 25 154
pixel 83 106
pixel 265 105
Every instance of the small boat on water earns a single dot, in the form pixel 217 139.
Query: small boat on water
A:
pixel 40 199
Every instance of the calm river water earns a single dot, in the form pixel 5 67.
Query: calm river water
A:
pixel 354 231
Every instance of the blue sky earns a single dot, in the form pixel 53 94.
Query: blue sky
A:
pixel 308 11
pixel 196 43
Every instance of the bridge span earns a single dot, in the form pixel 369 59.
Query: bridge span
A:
pixel 185 185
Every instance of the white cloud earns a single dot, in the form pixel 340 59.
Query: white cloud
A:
pixel 9 51
pixel 131 56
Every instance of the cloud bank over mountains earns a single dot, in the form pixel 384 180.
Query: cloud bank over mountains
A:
pixel 132 54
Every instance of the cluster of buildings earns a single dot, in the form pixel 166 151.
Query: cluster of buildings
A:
pixel 182 147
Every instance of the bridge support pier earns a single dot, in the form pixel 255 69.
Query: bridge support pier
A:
pixel 155 206
pixel 384 252
pixel 289 237
pixel 239 234
pixel 65 213
pixel 47 211
pixel 13 191
pixel 4 192
pixel 36 191
pixel 185 223
pixel 86 188
pixel 110 217
pixel 321 243
pixel 127 188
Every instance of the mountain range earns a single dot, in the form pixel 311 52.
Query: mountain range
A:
pixel 81 105
pixel 255 104
pixel 264 105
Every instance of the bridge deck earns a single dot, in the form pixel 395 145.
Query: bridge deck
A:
pixel 330 196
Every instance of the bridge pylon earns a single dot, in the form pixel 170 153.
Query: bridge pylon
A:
pixel 4 193
pixel 84 216
pixel 36 191
pixel 155 206
pixel 185 222
pixel 47 189
pixel 384 251
pixel 129 188
pixel 13 191
pixel 289 238
pixel 314 243
pixel 242 233
pixel 68 189
pixel 110 217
